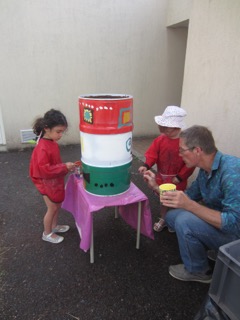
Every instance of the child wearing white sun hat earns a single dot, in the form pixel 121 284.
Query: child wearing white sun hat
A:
pixel 164 152
pixel 172 117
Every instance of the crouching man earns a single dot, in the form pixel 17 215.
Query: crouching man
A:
pixel 207 215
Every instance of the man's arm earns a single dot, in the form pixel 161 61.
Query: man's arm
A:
pixel 179 199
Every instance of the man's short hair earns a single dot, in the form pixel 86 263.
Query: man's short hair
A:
pixel 199 136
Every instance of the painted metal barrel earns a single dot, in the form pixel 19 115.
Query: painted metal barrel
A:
pixel 106 124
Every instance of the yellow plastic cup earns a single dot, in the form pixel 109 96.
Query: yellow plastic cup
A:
pixel 166 187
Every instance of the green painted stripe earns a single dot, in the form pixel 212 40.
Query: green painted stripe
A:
pixel 106 181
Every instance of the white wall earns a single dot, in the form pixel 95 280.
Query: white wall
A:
pixel 211 88
pixel 53 51
pixel 2 132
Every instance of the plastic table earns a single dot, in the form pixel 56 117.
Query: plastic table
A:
pixel 132 205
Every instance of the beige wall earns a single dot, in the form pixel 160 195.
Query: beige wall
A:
pixel 211 88
pixel 179 12
pixel 53 51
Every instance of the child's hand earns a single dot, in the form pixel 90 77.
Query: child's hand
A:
pixel 142 170
pixel 78 163
pixel 70 166
pixel 175 180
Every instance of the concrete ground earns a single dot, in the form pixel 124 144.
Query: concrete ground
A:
pixel 39 280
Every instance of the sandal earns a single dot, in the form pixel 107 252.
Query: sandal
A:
pixel 49 238
pixel 160 225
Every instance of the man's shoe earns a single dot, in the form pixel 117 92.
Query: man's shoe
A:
pixel 212 255
pixel 60 229
pixel 171 230
pixel 179 272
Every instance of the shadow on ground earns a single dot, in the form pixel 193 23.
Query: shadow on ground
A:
pixel 40 280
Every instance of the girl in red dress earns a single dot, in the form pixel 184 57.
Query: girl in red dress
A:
pixel 164 152
pixel 47 170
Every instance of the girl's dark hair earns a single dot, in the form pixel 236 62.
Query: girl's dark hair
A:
pixel 51 118
pixel 199 136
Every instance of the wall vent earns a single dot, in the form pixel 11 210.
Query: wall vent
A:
pixel 27 135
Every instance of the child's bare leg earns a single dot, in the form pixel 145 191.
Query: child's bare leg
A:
pixel 55 219
pixel 163 212
pixel 51 215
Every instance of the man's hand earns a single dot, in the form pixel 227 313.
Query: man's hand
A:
pixel 150 178
pixel 175 199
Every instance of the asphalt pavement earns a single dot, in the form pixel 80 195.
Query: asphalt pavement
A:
pixel 39 280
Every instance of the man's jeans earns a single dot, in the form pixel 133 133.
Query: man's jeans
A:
pixel 195 237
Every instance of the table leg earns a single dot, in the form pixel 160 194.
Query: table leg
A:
pixel 139 224
pixel 116 212
pixel 92 245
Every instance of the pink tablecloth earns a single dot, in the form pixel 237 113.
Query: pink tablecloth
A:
pixel 81 204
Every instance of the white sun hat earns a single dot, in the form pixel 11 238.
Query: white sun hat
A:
pixel 172 117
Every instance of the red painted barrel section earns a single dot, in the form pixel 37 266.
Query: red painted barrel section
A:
pixel 106 113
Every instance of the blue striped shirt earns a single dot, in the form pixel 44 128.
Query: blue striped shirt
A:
pixel 220 190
